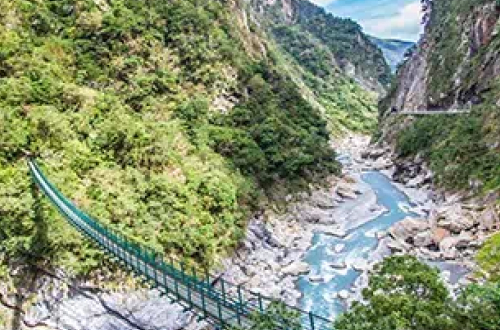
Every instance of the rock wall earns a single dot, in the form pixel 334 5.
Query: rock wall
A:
pixel 457 59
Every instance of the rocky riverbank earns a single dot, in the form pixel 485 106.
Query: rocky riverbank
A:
pixel 271 259
pixel 452 227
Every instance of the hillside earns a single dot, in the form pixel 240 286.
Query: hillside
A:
pixel 338 68
pixel 394 50
pixel 166 121
pixel 456 65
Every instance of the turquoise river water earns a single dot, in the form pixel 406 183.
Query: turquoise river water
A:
pixel 360 243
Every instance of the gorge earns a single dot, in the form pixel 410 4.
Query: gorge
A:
pixel 245 137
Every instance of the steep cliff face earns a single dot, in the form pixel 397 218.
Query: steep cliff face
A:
pixel 347 47
pixel 455 63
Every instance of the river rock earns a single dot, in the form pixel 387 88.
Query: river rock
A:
pixel 373 153
pixel 344 294
pixel 323 200
pixel 489 220
pixel 454 218
pixel 457 242
pixel 345 191
pixel 360 265
pixel 311 214
pixel 335 231
pixel 316 279
pixel 296 268
pixel 406 229
pixel 438 234
pixel 338 265
pixel 339 248
pixel 423 239
pixel 398 246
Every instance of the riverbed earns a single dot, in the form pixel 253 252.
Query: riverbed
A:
pixel 336 263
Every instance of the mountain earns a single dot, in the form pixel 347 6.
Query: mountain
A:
pixel 350 49
pixel 455 66
pixel 394 50
pixel 340 71
pixel 165 119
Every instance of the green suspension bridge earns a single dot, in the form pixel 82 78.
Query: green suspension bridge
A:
pixel 213 299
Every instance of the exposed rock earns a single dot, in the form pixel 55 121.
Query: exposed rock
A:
pixel 297 268
pixel 344 294
pixel 373 153
pixel 323 200
pixel 405 230
pixel 360 265
pixel 438 234
pixel 454 218
pixel 339 248
pixel 455 242
pixel 346 192
pixel 423 239
pixel 489 220
pixel 338 265
pixel 316 278
pixel 398 246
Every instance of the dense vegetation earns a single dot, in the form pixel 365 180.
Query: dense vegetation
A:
pixel 118 101
pixel 330 57
pixel 406 294
pixel 344 103
pixel 460 149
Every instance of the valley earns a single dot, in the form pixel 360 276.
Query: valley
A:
pixel 257 143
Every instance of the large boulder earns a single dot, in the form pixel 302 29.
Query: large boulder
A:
pixel 439 234
pixel 406 230
pixel 489 220
pixel 455 219
pixel 423 239
pixel 456 242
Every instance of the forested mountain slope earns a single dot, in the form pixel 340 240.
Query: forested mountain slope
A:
pixel 339 68
pixel 163 119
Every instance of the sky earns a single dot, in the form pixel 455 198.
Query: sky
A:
pixel 396 19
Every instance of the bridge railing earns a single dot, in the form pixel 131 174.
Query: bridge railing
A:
pixel 170 276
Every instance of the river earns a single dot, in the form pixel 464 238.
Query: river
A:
pixel 321 295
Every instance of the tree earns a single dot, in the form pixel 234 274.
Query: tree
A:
pixel 276 317
pixel 402 294
pixel 478 308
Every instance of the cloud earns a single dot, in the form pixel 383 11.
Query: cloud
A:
pixel 406 24
pixel 398 19
pixel 321 3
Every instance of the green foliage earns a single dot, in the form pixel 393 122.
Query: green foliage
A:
pixel 277 316
pixel 115 98
pixel 277 133
pixel 406 294
pixel 402 294
pixel 478 307
pixel 447 22
pixel 489 257
pixel 459 148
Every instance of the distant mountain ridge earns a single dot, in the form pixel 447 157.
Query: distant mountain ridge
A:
pixel 394 50
pixel 348 48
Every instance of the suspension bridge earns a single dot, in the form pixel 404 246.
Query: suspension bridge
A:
pixel 219 302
